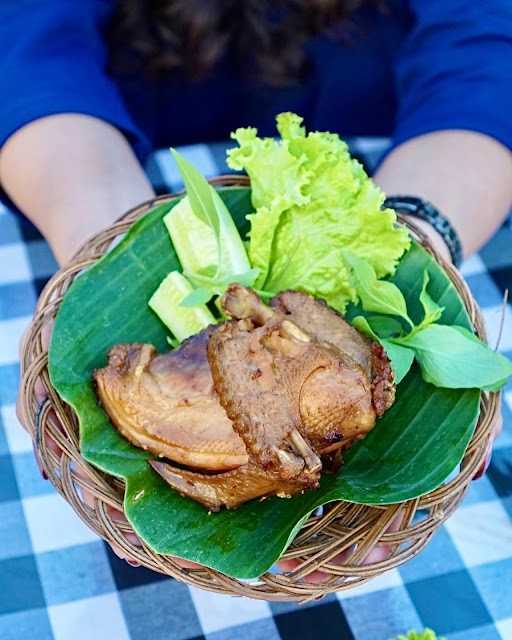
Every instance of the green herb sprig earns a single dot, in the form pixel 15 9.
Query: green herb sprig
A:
pixel 449 356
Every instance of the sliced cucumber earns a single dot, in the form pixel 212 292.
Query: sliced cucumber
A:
pixel 194 241
pixel 182 321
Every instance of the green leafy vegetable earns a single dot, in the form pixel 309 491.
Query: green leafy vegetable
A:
pixel 199 193
pixel 311 199
pixel 211 286
pixel 361 324
pixel 248 278
pixel 375 295
pixel 467 333
pixel 449 358
pixel 233 256
pixel 471 336
pixel 401 358
pixel 431 309
pixel 263 228
pixel 196 297
pixel 172 342
pixel 385 326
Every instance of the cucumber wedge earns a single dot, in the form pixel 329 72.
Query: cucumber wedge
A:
pixel 194 241
pixel 182 321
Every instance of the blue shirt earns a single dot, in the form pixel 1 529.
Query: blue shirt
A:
pixel 426 65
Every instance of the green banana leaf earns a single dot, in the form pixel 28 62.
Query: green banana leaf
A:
pixel 411 451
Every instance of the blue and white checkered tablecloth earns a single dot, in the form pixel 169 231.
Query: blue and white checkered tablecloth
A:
pixel 58 581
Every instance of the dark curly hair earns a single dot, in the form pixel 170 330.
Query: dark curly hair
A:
pixel 193 35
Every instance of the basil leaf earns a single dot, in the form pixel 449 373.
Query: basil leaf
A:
pixel 496 386
pixel 432 311
pixel 471 336
pixel 467 333
pixel 247 278
pixel 215 286
pixel 196 297
pixel 385 326
pixel 376 295
pixel 401 359
pixel 361 324
pixel 448 357
pixel 199 192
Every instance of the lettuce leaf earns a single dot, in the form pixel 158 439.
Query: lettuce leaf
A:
pixel 311 200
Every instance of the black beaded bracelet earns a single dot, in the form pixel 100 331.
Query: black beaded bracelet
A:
pixel 413 206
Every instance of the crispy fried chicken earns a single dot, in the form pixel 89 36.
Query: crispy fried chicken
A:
pixel 167 404
pixel 260 397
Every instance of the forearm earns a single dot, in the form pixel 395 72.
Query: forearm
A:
pixel 468 176
pixel 72 175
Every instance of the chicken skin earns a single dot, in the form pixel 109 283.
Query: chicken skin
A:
pixel 167 404
pixel 326 325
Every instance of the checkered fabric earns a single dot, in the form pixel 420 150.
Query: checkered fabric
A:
pixel 58 581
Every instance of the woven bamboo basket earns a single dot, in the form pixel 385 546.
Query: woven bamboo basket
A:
pixel 338 542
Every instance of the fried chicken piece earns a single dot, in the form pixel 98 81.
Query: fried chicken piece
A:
pixel 256 369
pixel 336 395
pixel 295 381
pixel 229 489
pixel 383 386
pixel 288 396
pixel 336 405
pixel 266 361
pixel 167 404
pixel 327 326
pixel 257 392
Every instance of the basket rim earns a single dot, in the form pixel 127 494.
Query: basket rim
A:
pixel 70 473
